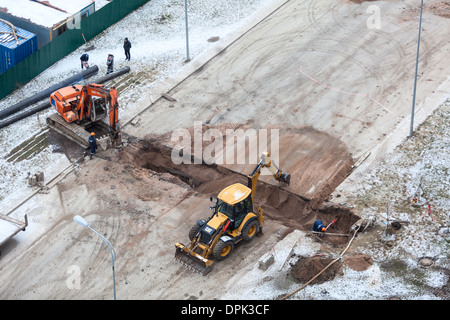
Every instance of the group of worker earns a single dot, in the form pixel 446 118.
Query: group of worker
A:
pixel 110 60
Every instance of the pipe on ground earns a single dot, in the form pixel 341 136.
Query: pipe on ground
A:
pixel 19 116
pixel 44 94
pixel 112 75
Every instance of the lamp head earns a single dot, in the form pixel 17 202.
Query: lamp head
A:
pixel 78 219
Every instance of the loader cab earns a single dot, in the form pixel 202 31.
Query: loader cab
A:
pixel 235 202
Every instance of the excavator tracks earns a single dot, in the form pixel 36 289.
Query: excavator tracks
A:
pixel 74 132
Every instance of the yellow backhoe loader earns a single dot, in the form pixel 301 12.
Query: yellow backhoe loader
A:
pixel 233 220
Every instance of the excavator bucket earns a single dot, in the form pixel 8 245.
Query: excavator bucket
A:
pixel 192 260
pixel 283 177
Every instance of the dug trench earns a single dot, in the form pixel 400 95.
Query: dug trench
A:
pixel 279 202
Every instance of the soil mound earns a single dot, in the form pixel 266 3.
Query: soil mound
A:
pixel 358 262
pixel 307 268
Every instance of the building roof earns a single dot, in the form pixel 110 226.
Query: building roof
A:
pixel 8 40
pixel 44 13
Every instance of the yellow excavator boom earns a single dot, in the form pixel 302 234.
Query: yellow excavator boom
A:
pixel 266 162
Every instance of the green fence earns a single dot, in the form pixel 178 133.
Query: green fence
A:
pixel 64 44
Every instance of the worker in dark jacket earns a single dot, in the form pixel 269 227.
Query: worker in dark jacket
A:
pixel 318 226
pixel 92 144
pixel 127 47
pixel 84 61
pixel 110 63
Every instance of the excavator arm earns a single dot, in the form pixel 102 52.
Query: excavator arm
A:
pixel 266 162
pixel 114 113
pixel 110 95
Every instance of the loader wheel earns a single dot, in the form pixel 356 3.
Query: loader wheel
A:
pixel 223 249
pixel 194 230
pixel 250 230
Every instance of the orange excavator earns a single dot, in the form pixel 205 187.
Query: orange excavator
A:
pixel 81 110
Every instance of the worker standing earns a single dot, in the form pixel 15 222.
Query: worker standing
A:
pixel 110 63
pixel 127 47
pixel 92 144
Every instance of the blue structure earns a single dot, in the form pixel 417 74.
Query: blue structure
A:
pixel 12 51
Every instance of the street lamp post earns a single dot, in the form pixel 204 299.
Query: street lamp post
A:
pixel 187 31
pixel 78 219
pixel 411 128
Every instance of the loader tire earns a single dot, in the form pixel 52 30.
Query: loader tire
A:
pixel 250 230
pixel 223 249
pixel 194 230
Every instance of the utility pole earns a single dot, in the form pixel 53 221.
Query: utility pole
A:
pixel 187 31
pixel 415 75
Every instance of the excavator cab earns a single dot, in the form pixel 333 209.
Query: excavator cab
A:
pixel 99 108
pixel 233 220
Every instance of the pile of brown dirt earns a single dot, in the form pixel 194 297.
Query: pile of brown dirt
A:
pixel 438 8
pixel 307 268
pixel 358 262
pixel 317 162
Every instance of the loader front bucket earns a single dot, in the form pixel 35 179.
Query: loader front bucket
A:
pixel 192 260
